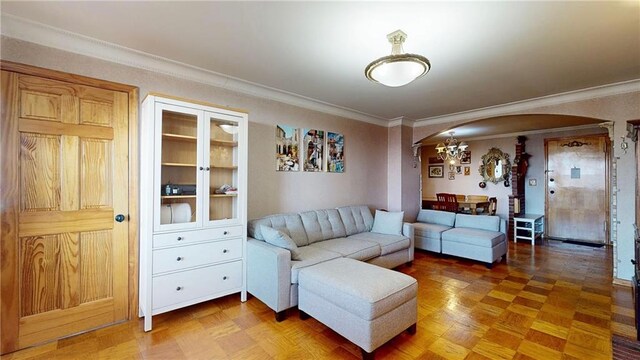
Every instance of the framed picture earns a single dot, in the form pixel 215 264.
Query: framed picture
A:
pixel 452 175
pixel 287 155
pixel 313 150
pixel 436 171
pixel 466 157
pixel 435 160
pixel 452 168
pixel 459 170
pixel 467 170
pixel 335 152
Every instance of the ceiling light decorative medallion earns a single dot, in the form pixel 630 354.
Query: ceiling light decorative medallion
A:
pixel 453 150
pixel 397 69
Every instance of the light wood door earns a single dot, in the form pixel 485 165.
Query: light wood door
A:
pixel 577 205
pixel 64 178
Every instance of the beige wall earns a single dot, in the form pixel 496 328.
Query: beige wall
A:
pixel 364 180
pixel 618 109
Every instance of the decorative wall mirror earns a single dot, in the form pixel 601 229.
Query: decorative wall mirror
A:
pixel 495 166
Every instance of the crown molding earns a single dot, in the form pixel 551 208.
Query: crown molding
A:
pixel 520 106
pixel 514 135
pixel 400 120
pixel 41 34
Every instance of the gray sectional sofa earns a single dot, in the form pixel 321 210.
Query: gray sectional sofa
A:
pixel 320 235
pixel 481 238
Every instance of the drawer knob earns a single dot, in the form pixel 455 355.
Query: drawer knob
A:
pixel 180 238
pixel 225 233
pixel 179 258
pixel 225 277
pixel 179 288
pixel 225 251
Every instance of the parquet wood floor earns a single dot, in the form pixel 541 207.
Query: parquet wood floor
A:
pixel 551 301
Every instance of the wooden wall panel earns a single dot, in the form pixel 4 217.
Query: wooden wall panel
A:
pixel 96 174
pixel 69 271
pixel 39 172
pixel 39 278
pixel 70 195
pixel 95 113
pixel 39 106
pixel 96 268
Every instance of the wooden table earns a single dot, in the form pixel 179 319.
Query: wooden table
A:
pixel 473 205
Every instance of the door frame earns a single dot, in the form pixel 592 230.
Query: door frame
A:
pixel 607 179
pixel 133 95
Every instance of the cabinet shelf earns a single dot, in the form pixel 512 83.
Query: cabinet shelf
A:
pixel 223 195
pixel 224 167
pixel 178 196
pixel 224 143
pixel 178 164
pixel 178 137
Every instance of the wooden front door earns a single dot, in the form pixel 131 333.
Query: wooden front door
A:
pixel 63 180
pixel 577 193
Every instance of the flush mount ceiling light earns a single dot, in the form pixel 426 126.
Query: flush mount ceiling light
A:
pixel 397 69
pixel 453 151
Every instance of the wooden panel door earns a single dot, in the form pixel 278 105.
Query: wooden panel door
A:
pixel 577 195
pixel 64 165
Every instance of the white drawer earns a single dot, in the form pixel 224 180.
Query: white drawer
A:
pixel 197 283
pixel 184 237
pixel 188 256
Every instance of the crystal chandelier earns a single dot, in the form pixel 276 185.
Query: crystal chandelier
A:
pixel 453 150
pixel 397 69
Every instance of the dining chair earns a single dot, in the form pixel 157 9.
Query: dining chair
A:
pixel 446 202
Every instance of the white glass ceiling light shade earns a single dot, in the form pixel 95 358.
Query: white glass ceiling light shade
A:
pixel 229 129
pixel 397 69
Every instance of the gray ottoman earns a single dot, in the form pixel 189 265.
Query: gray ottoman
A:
pixel 367 304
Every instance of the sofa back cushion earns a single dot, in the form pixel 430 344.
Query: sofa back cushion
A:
pixel 437 217
pixel 290 224
pixel 322 225
pixel 478 222
pixel 356 218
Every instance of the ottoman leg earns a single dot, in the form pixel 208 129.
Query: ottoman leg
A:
pixel 412 329
pixel 488 265
pixel 304 315
pixel 368 355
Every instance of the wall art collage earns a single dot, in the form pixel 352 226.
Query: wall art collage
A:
pixel 311 150
pixel 436 167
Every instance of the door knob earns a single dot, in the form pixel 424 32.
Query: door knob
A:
pixel 119 218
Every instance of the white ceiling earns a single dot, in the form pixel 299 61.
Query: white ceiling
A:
pixel 482 53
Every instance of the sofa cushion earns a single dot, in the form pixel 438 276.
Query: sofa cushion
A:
pixel 437 217
pixel 280 239
pixel 478 237
pixel 290 224
pixel 358 249
pixel 322 225
pixel 310 256
pixel 388 243
pixel 388 222
pixel 356 219
pixel 478 222
pixel 432 231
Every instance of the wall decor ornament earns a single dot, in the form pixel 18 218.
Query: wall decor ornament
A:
pixel 452 175
pixel 436 171
pixel 335 152
pixel 313 150
pixel 287 155
pixel 467 170
pixel 495 166
pixel 466 157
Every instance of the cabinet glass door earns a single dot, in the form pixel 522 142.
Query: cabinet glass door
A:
pixel 222 179
pixel 179 171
